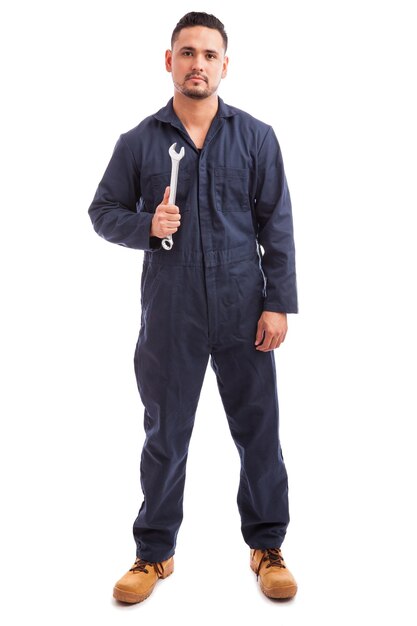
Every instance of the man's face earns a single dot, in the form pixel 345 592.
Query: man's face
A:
pixel 197 62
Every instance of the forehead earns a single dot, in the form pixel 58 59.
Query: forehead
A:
pixel 199 37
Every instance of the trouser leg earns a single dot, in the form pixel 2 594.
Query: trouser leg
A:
pixel 247 383
pixel 170 362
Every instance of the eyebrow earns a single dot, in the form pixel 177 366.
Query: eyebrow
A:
pixel 194 49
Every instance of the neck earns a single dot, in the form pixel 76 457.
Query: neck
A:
pixel 194 112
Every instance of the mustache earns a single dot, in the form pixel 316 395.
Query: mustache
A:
pixel 194 75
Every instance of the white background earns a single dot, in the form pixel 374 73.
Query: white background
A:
pixel 337 82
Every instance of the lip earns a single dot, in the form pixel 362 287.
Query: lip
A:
pixel 196 78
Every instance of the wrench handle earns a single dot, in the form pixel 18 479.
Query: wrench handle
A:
pixel 167 242
pixel 173 182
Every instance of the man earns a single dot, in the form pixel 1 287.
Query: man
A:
pixel 215 294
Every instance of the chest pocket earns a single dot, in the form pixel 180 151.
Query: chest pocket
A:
pixel 160 181
pixel 231 186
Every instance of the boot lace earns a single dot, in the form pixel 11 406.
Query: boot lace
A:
pixel 140 566
pixel 273 557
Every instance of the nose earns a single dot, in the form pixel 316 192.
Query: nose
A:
pixel 198 62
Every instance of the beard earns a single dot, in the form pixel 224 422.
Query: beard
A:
pixel 197 92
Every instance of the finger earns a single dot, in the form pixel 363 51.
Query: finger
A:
pixel 259 335
pixel 281 338
pixel 165 199
pixel 266 344
pixel 172 224
pixel 172 209
pixel 171 212
pixel 276 343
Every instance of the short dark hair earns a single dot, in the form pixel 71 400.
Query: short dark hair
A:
pixel 196 18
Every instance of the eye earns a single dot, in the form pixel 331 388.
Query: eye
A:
pixel 211 56
pixel 187 53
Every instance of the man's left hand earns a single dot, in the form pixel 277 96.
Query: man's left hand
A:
pixel 271 331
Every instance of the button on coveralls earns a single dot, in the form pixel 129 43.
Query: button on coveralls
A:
pixel 233 257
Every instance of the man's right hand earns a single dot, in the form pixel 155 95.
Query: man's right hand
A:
pixel 166 220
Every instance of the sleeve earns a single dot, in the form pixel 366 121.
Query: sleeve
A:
pixel 113 210
pixel 275 228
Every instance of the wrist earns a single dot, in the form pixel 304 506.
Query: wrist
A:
pixel 152 231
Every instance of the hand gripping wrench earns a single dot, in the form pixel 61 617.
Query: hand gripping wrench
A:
pixel 176 157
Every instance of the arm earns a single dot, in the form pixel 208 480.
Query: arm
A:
pixel 113 209
pixel 275 228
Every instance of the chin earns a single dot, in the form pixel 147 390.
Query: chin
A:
pixel 196 93
pixel 199 96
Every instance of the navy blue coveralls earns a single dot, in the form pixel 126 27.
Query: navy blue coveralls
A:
pixel 233 256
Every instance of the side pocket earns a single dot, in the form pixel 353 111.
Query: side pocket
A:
pixel 151 275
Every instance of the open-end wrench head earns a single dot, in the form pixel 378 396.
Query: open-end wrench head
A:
pixel 177 156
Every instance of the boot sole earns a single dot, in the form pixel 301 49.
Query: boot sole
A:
pixel 133 598
pixel 282 593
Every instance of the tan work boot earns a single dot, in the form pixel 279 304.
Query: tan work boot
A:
pixel 275 579
pixel 138 583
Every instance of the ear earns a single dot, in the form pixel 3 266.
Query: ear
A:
pixel 225 66
pixel 168 61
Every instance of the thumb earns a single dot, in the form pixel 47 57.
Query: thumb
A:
pixel 259 334
pixel 165 199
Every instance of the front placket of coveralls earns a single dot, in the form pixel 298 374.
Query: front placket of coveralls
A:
pixel 205 223
pixel 206 229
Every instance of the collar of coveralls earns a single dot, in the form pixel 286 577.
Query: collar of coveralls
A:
pixel 167 113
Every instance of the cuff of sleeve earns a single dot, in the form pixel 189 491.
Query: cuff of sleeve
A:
pixel 277 307
pixel 149 243
pixel 154 243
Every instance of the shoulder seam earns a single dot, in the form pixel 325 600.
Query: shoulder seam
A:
pixel 264 139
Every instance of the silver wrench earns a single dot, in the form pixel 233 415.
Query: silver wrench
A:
pixel 176 157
